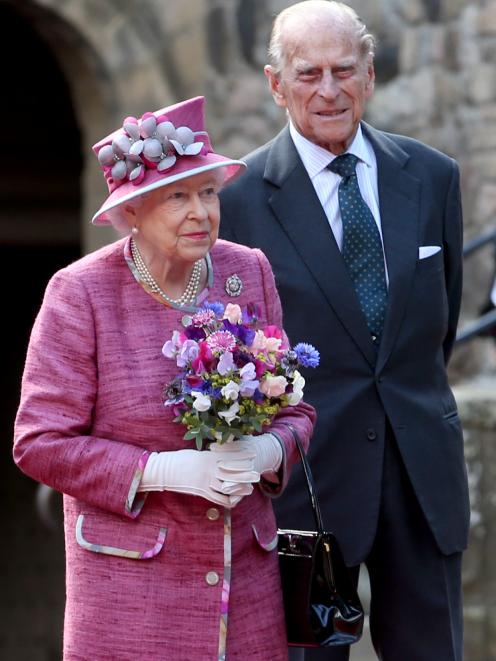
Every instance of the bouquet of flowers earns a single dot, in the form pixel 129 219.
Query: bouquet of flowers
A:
pixel 234 375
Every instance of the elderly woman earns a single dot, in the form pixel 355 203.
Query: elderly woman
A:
pixel 170 551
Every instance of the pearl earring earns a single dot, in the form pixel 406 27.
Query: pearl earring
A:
pixel 134 230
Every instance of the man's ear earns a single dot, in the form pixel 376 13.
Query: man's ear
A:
pixel 370 85
pixel 275 85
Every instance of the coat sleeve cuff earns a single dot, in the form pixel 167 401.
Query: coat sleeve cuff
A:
pixel 273 488
pixel 135 501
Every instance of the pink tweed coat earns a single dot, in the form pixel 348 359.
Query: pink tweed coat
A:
pixel 166 576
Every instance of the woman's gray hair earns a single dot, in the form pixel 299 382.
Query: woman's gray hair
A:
pixel 341 14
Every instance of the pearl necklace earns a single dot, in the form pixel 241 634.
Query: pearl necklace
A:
pixel 188 298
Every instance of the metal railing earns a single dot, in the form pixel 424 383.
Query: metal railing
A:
pixel 486 321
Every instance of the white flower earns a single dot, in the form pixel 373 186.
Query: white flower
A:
pixel 230 414
pixel 233 313
pixel 202 402
pixel 230 391
pixel 296 396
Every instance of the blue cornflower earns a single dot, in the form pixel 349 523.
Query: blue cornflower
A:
pixel 217 307
pixel 308 356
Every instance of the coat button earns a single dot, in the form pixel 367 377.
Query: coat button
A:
pixel 213 514
pixel 212 578
pixel 371 434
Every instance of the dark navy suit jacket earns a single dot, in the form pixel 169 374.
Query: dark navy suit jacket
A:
pixel 356 388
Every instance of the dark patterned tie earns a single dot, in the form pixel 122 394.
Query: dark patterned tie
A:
pixel 362 246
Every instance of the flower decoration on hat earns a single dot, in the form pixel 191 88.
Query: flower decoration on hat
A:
pixel 150 143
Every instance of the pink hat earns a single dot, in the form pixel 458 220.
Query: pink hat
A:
pixel 160 148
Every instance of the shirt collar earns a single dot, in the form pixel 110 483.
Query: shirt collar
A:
pixel 315 158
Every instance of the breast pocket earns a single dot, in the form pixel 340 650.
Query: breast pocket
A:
pixel 113 535
pixel 430 266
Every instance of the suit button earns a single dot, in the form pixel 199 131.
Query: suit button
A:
pixel 213 514
pixel 212 578
pixel 371 434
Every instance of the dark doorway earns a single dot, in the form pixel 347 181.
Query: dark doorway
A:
pixel 40 166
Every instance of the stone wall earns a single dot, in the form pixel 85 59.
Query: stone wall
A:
pixel 477 405
pixel 444 93
pixel 436 81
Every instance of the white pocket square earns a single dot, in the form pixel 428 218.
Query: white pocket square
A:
pixel 428 251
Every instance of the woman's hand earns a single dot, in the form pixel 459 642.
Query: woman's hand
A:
pixel 221 476
pixel 265 447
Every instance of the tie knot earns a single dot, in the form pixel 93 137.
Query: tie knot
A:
pixel 344 165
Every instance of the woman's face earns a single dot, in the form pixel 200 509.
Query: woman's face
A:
pixel 180 221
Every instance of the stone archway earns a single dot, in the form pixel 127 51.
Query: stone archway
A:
pixel 40 166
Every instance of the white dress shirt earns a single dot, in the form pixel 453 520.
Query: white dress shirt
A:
pixel 316 159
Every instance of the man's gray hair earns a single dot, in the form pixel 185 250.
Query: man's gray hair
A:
pixel 342 15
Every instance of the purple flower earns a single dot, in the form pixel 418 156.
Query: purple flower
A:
pixel 212 392
pixel 194 333
pixel 178 409
pixel 188 352
pixel 244 334
pixel 226 363
pixel 308 356
pixel 194 382
pixel 248 388
pixel 258 397
pixel 251 314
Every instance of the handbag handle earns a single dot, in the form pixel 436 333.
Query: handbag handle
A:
pixel 310 481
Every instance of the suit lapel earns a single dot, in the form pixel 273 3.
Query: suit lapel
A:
pixel 297 208
pixel 399 204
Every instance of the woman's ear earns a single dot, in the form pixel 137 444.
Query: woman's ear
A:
pixel 129 211
pixel 129 217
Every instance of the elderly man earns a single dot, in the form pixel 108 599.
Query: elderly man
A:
pixel 364 233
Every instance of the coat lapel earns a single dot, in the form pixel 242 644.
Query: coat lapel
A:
pixel 297 208
pixel 399 204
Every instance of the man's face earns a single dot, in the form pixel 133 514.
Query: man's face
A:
pixel 324 85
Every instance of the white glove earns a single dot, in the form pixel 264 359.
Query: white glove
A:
pixel 223 478
pixel 266 448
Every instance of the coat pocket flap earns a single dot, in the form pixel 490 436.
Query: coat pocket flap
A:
pixel 105 530
pixel 266 540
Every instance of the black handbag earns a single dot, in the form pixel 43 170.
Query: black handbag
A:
pixel 321 604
